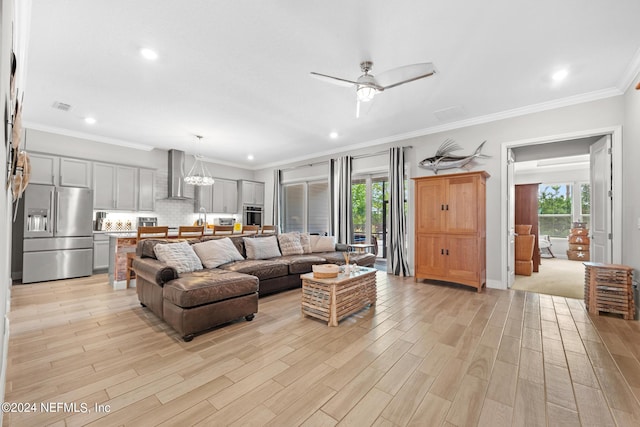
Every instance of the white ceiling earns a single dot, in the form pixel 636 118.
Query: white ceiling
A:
pixel 237 72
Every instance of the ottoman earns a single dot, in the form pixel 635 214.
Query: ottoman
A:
pixel 196 302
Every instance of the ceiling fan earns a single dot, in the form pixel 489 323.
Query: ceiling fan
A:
pixel 368 85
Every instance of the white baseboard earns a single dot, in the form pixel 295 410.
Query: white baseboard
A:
pixel 122 284
pixel 496 284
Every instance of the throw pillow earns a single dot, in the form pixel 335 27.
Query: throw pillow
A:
pixel 179 256
pixel 261 248
pixel 323 244
pixel 213 253
pixel 290 243
pixel 305 241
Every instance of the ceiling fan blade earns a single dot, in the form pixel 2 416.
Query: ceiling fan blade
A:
pixel 401 75
pixel 335 80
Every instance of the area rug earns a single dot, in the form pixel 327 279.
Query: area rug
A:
pixel 559 277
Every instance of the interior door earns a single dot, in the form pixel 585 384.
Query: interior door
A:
pixel 511 219
pixel 601 200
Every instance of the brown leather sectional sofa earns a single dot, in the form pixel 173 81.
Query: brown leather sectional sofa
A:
pixel 194 302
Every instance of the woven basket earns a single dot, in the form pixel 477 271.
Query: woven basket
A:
pixel 325 271
pixel 524 247
pixel 523 229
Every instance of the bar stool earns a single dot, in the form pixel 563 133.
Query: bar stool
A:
pixel 144 233
pixel 190 231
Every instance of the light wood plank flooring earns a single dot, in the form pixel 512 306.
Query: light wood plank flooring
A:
pixel 425 355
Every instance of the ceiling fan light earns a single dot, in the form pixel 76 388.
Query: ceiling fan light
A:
pixel 365 93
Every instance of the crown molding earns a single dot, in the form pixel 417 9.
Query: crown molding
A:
pixel 628 78
pixel 516 112
pixel 88 136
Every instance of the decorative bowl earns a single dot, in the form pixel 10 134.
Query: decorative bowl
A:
pixel 325 271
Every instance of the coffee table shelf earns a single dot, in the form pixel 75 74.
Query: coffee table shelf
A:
pixel 334 299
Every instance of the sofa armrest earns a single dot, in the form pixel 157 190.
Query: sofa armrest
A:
pixel 342 247
pixel 154 271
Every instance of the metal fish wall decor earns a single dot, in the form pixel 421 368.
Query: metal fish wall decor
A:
pixel 444 160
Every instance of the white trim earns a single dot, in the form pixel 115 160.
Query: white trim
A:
pixel 616 143
pixel 496 284
pixel 88 136
pixel 628 78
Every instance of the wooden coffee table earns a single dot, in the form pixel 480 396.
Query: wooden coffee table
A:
pixel 334 299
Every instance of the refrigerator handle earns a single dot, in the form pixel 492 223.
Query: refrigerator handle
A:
pixel 57 197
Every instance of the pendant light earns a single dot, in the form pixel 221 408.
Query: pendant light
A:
pixel 199 174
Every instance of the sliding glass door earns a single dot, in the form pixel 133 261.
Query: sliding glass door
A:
pixel 369 199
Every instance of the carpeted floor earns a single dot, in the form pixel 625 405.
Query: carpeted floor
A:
pixel 559 277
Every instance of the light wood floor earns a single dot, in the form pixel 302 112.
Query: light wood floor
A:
pixel 425 355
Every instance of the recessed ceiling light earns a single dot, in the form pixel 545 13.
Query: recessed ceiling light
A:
pixel 89 120
pixel 250 157
pixel 149 54
pixel 560 75
pixel 333 135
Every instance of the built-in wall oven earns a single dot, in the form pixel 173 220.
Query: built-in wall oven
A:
pixel 252 215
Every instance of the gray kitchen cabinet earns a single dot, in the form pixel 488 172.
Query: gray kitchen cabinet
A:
pixel 104 186
pixel 75 172
pixel 203 198
pixel 225 196
pixel 44 169
pixel 147 190
pixel 100 252
pixel 126 188
pixel 115 187
pixel 251 192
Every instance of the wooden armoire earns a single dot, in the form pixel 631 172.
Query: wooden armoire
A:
pixel 450 228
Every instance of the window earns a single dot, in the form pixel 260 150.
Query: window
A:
pixel 293 212
pixel 558 209
pixel 306 207
pixel 369 209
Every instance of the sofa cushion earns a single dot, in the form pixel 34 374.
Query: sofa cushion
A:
pixel 238 242
pixel 178 255
pixel 213 253
pixel 290 243
pixel 207 286
pixel 305 241
pixel 261 248
pixel 322 243
pixel 300 264
pixel 263 269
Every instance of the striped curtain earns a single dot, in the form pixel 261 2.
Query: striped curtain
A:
pixel 342 223
pixel 398 262
pixel 277 198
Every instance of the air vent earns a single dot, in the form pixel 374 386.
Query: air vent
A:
pixel 61 106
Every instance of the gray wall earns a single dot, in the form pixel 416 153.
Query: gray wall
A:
pixel 6 36
pixel 587 116
pixel 631 179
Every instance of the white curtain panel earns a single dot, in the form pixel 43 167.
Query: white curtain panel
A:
pixel 398 262
pixel 277 198
pixel 342 222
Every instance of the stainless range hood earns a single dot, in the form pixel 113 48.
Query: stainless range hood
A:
pixel 176 176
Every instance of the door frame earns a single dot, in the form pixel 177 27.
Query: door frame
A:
pixel 616 184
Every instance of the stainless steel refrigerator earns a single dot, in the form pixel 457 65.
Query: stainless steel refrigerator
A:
pixel 58 237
